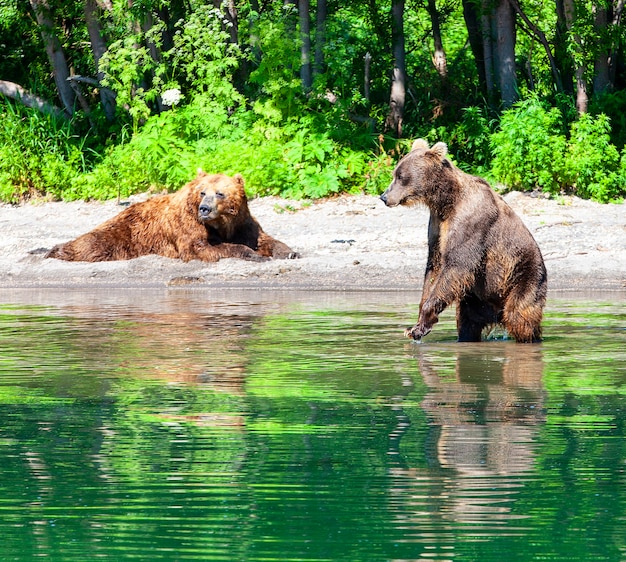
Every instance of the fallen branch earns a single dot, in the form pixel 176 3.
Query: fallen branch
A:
pixel 16 92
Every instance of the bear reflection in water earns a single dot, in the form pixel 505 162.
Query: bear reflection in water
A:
pixel 485 407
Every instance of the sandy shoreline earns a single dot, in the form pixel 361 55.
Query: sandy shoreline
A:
pixel 347 243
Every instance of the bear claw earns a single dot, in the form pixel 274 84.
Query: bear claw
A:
pixel 416 332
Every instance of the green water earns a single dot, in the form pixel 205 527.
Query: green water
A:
pixel 205 425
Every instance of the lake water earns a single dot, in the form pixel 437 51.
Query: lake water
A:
pixel 266 426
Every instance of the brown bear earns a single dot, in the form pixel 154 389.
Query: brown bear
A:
pixel 480 254
pixel 207 219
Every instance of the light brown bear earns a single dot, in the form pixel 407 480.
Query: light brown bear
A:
pixel 480 254
pixel 207 219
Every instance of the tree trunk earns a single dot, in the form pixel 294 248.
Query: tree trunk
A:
pixel 99 48
pixel 56 56
pixel 439 57
pixel 231 16
pixel 475 37
pixel 601 75
pixel 505 45
pixel 320 36
pixel 229 10
pixel 539 35
pixel 618 9
pixel 398 78
pixel 146 26
pixel 561 54
pixel 305 48
pixel 488 49
pixel 366 76
pixel 582 98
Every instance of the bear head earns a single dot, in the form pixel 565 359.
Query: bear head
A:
pixel 217 197
pixel 418 175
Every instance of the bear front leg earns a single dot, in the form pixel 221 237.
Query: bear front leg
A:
pixel 209 253
pixel 439 291
pixel 270 247
pixel 425 322
pixel 428 317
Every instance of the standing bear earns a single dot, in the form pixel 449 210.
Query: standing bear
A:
pixel 480 254
pixel 207 219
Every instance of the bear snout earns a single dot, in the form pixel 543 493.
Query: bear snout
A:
pixel 388 199
pixel 204 211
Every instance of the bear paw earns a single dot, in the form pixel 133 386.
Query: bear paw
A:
pixel 417 332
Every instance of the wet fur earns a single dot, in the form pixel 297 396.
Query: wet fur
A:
pixel 480 254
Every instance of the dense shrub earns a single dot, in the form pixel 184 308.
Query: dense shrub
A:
pixel 38 154
pixel 294 159
pixel 531 151
pixel 592 165
pixel 468 140
pixel 529 148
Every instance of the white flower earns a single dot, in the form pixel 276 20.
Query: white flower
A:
pixel 171 97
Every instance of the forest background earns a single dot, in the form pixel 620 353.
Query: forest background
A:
pixel 306 98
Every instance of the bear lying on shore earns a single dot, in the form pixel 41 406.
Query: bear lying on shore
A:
pixel 207 219
pixel 480 254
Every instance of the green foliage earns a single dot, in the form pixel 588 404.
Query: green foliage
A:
pixel 468 140
pixel 528 150
pixel 188 95
pixel 276 77
pixel 593 163
pixel 297 159
pixel 613 105
pixel 203 59
pixel 125 65
pixel 38 154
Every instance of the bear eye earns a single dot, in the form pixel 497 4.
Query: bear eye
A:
pixel 219 195
pixel 202 193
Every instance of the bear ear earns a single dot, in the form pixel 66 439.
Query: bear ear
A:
pixel 419 143
pixel 440 149
pixel 201 173
pixel 238 179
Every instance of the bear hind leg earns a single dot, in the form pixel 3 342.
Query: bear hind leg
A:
pixel 473 315
pixel 522 320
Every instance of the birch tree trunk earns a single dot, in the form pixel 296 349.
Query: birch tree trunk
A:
pixel 99 48
pixel 56 56
pixel 439 57
pixel 398 79
pixel 16 92
pixel 582 97
pixel 488 49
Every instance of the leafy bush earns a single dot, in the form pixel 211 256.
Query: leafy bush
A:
pixel 38 154
pixel 613 105
pixel 593 163
pixel 468 140
pixel 295 158
pixel 529 148
pixel 530 152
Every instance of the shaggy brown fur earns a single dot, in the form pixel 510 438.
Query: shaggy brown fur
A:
pixel 480 254
pixel 207 219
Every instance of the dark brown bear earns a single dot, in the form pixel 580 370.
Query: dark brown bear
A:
pixel 207 219
pixel 480 254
